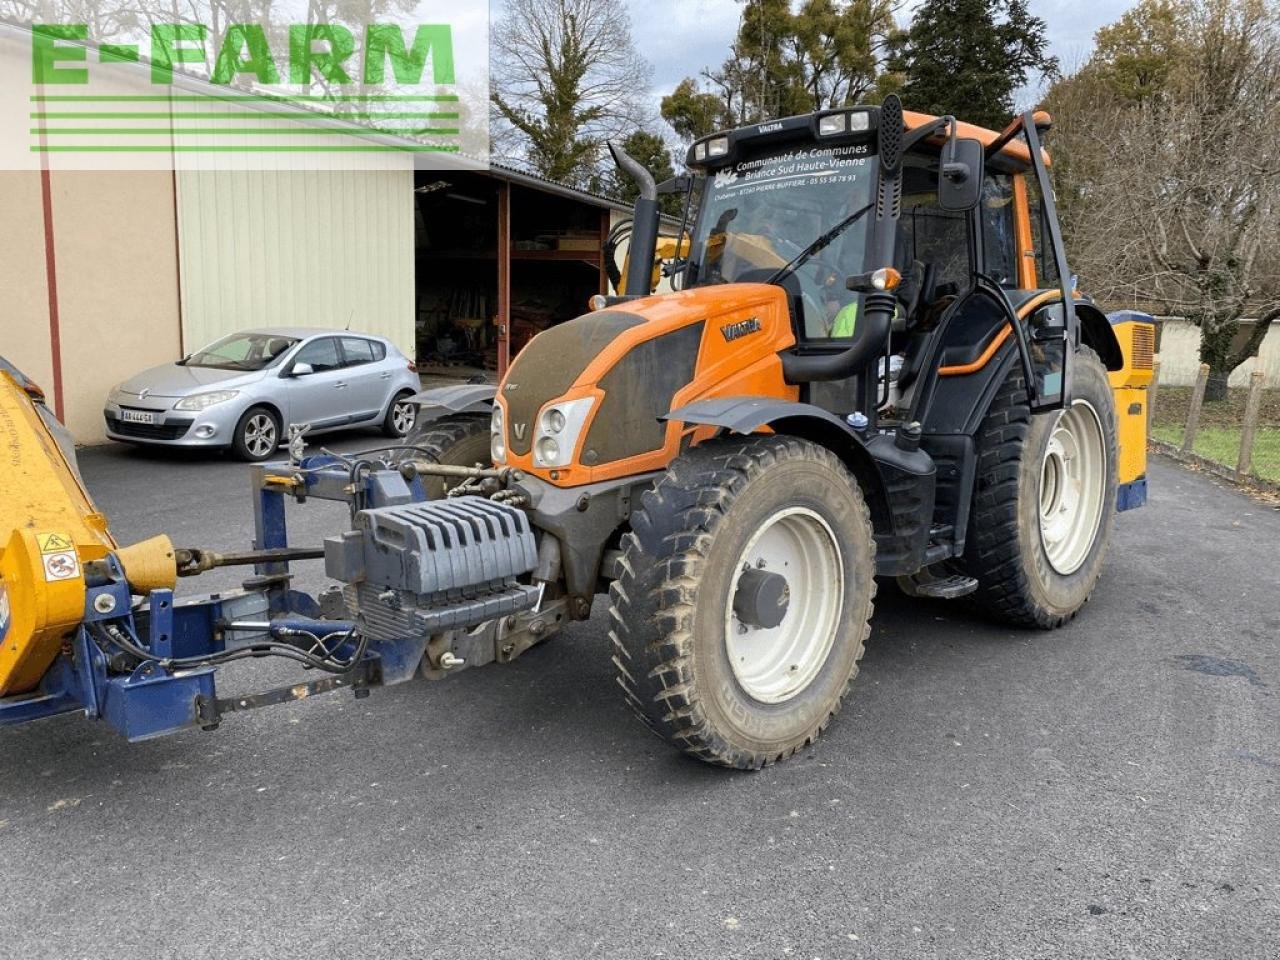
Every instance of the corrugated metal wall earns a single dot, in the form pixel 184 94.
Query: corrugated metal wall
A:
pixel 297 247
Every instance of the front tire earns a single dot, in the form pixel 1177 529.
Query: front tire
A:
pixel 1044 500
pixel 257 436
pixel 743 603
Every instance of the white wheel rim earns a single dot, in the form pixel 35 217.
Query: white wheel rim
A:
pixel 1072 487
pixel 775 664
pixel 402 416
pixel 260 435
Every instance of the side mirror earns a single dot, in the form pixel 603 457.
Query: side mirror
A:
pixel 960 180
pixel 301 370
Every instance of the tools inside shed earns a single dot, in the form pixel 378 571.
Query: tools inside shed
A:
pixel 551 264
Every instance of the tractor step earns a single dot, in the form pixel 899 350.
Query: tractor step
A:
pixel 947 588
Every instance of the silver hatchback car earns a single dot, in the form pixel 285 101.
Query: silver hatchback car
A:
pixel 244 390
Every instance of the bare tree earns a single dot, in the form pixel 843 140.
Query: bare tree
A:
pixel 566 77
pixel 1170 194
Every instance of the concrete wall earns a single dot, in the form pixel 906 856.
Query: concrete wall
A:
pixel 1180 357
pixel 115 277
pixel 24 329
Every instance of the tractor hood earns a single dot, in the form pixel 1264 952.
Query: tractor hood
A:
pixel 583 401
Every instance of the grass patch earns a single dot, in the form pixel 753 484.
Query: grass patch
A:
pixel 1222 445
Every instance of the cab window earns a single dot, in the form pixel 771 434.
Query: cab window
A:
pixel 1046 265
pixel 999 242
pixel 927 234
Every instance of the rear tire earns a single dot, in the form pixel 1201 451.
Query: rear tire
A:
pixel 715 681
pixel 257 436
pixel 1044 500
pixel 458 441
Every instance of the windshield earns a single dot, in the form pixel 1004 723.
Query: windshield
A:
pixel 242 351
pixel 764 211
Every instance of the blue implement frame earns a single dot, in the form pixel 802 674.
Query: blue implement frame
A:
pixel 174 686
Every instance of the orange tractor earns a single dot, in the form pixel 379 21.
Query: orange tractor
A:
pixel 875 364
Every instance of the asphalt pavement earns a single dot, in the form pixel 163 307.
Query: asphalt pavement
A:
pixel 1109 790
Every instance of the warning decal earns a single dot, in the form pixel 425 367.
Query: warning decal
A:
pixel 54 542
pixel 61 566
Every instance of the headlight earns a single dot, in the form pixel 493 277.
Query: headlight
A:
pixel 832 124
pixel 202 401
pixel 559 428
pixel 548 450
pixel 718 147
pixel 553 420
pixel 497 436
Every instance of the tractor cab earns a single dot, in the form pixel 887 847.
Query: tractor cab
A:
pixel 843 207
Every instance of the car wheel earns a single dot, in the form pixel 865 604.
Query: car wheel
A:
pixel 401 415
pixel 257 435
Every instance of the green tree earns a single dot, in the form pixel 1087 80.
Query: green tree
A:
pixel 968 58
pixel 787 59
pixel 693 113
pixel 1135 56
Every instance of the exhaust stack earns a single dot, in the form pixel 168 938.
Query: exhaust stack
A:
pixel 644 225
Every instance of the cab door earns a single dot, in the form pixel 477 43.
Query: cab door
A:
pixel 1053 331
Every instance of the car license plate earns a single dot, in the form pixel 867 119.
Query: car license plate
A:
pixel 137 416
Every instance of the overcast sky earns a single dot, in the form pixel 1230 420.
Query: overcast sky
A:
pixel 680 37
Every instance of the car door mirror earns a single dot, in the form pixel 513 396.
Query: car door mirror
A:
pixel 301 370
pixel 960 180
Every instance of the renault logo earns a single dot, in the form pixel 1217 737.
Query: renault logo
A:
pixel 144 393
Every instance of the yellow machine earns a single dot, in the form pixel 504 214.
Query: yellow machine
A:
pixel 55 534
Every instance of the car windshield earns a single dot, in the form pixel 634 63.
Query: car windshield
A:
pixel 764 211
pixel 242 351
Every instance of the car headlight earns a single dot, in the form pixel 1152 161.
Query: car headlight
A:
pixel 497 436
pixel 559 427
pixel 202 401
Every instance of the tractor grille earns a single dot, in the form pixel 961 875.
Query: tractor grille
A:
pixel 172 430
pixel 1144 346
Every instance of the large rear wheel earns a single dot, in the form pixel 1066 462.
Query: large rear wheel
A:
pixel 1044 501
pixel 743 603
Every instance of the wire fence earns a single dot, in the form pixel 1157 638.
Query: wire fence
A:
pixel 1237 437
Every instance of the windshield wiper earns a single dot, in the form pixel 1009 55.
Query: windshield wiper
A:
pixel 819 244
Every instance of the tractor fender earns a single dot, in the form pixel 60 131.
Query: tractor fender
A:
pixel 463 398
pixel 1096 332
pixel 747 415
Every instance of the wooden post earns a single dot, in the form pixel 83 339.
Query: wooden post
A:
pixel 1193 415
pixel 1251 408
pixel 1151 394
pixel 504 278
